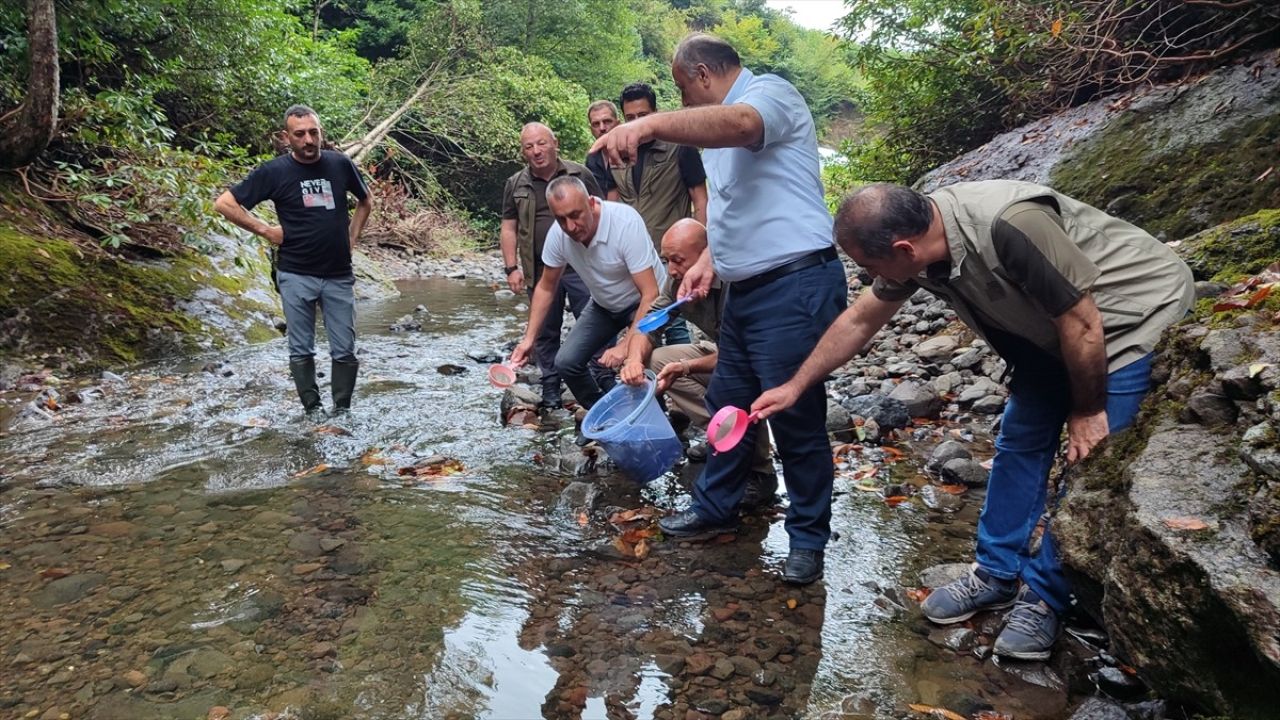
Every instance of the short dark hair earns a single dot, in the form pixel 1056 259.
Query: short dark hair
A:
pixel 875 216
pixel 299 111
pixel 703 49
pixel 639 91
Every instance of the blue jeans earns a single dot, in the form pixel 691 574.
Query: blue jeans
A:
pixel 595 330
pixel 299 294
pixel 767 332
pixel 1030 434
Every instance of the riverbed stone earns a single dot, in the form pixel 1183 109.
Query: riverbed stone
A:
pixel 938 575
pixel 888 413
pixel 920 399
pixel 1099 709
pixel 937 348
pixel 965 470
pixel 945 452
pixel 67 589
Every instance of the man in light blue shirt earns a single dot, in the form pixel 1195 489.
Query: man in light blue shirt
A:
pixel 769 235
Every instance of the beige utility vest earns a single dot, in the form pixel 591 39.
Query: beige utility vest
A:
pixel 527 246
pixel 1141 289
pixel 662 197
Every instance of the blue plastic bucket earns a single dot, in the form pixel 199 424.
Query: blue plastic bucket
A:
pixel 630 425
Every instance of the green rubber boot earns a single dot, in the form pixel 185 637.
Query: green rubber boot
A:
pixel 343 382
pixel 304 379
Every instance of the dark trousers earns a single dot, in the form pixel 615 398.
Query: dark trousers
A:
pixel 596 330
pixel 767 332
pixel 573 294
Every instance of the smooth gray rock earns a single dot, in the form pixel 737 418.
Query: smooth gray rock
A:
pixel 966 471
pixel 945 451
pixel 920 399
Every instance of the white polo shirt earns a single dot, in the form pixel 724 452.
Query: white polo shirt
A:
pixel 621 247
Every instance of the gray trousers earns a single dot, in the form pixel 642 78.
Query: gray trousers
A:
pixel 299 294
pixel 596 330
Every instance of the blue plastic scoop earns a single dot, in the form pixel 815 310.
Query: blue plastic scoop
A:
pixel 658 318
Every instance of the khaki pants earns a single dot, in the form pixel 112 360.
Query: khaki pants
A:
pixel 688 395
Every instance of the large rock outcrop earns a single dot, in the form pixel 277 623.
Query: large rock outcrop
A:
pixel 1172 535
pixel 1174 159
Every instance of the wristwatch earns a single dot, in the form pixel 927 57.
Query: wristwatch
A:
pixel 510 269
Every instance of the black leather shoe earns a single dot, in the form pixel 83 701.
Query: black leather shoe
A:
pixel 803 567
pixel 688 525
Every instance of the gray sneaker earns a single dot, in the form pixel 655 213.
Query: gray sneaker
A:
pixel 1030 630
pixel 961 599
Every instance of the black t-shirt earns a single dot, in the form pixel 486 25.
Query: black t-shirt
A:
pixel 311 202
pixel 600 170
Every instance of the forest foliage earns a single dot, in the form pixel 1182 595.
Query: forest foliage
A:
pixel 164 101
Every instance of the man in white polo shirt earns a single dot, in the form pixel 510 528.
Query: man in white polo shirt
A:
pixel 607 243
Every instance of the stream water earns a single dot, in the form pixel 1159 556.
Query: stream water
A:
pixel 185 541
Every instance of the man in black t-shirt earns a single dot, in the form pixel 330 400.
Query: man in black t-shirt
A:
pixel 315 237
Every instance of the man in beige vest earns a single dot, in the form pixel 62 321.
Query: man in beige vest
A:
pixel 664 183
pixel 1073 299
pixel 526 219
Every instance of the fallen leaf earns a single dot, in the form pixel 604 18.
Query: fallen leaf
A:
pixel 331 430
pixel 311 470
pixel 1185 523
pixel 918 594
pixel 1056 28
pixel 642 549
pixel 867 487
pixel 895 500
pixel 892 454
pixel 791 603
pixel 373 456
pixel 434 466
pixel 1257 368
pixel 5 566
pixel 937 712
pixel 43 253
pixel 257 422
pixel 992 715
pixel 54 573
pixel 636 535
pixel 957 489
pixel 845 448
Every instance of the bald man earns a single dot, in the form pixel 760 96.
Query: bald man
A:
pixel 684 370
pixel 526 218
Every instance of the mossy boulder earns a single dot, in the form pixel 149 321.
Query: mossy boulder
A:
pixel 82 307
pixel 1236 249
pixel 1173 159
pixel 1171 534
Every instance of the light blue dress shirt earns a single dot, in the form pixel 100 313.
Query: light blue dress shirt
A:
pixel 765 205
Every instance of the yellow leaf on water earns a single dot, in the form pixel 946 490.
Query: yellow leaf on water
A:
pixel 937 712
pixel 311 470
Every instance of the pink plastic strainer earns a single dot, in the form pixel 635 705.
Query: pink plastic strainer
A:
pixel 727 427
pixel 502 375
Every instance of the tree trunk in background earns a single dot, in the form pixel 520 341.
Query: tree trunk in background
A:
pixel 26 130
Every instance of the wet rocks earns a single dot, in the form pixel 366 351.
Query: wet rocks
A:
pixel 965 471
pixel 68 589
pixel 944 452
pixel 887 412
pixel 919 398
pixel 1099 709
pixel 939 575
pixel 406 323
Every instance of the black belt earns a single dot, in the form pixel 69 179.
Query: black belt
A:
pixel 814 258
